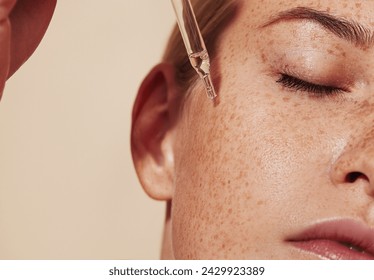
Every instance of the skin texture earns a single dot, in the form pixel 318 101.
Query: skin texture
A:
pixel 23 24
pixel 244 174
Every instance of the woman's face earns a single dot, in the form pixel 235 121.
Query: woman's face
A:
pixel 283 166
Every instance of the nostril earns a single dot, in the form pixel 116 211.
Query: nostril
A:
pixel 353 176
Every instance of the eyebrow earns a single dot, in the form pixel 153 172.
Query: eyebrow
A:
pixel 350 31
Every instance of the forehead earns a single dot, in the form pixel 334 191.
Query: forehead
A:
pixel 246 34
pixel 255 12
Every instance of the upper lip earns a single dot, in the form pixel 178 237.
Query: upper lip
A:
pixel 347 232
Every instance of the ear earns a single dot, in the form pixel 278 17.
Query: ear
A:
pixel 29 20
pixel 152 134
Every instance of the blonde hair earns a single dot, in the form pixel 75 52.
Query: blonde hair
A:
pixel 212 16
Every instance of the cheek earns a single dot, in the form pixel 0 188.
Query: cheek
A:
pixel 241 164
pixel 208 185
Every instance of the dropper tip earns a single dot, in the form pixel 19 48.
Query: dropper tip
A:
pixel 211 93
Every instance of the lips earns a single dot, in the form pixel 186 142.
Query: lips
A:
pixel 337 240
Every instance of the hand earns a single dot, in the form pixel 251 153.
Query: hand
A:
pixel 5 40
pixel 23 24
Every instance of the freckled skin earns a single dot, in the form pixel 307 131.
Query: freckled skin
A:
pixel 269 161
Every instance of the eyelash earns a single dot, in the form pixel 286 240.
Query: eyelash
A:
pixel 315 90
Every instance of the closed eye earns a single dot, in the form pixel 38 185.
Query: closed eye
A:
pixel 316 90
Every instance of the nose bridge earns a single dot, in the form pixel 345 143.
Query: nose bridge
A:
pixel 362 122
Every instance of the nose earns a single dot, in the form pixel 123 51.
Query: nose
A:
pixel 356 165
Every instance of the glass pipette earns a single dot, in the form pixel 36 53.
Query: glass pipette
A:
pixel 196 50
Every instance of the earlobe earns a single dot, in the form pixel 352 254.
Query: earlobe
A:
pixel 152 134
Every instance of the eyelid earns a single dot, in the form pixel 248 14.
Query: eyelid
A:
pixel 317 67
pixel 316 90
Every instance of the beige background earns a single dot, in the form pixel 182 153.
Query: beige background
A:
pixel 68 189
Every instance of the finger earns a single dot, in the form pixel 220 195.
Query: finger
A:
pixel 29 20
pixel 5 37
